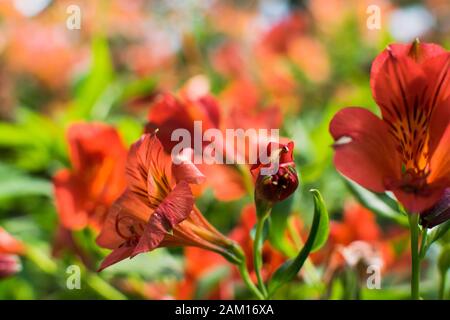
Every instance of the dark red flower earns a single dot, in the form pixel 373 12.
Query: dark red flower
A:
pixel 407 151
pixel 276 186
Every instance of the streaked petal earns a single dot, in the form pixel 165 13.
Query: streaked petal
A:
pixel 175 208
pixel 130 206
pixel 364 148
pixel 147 165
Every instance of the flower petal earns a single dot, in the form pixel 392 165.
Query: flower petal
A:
pixel 175 208
pixel 440 160
pixel 128 205
pixel 115 256
pixel 399 88
pixel 147 165
pixel 70 200
pixel 184 170
pixel 364 148
pixel 438 70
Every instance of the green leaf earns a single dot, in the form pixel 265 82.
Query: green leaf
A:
pixel 161 261
pixel 14 183
pixel 444 259
pixel 376 203
pixel 317 237
pixel 279 218
pixel 437 233
pixel 93 87
pixel 323 229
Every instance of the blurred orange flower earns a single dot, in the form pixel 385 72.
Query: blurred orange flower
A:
pixel 358 241
pixel 97 178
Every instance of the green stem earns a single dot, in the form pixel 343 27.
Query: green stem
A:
pixel 257 253
pixel 311 275
pixel 248 281
pixel 423 244
pixel 442 285
pixel 415 268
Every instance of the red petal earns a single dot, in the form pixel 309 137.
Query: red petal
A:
pixel 147 163
pixel 70 200
pixel 90 142
pixel 175 208
pixel 416 203
pixel 440 160
pixel 128 205
pixel 117 255
pixel 187 171
pixel 399 87
pixel 369 156
pixel 424 52
pixel 438 70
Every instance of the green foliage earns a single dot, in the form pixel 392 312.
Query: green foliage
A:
pixel 316 239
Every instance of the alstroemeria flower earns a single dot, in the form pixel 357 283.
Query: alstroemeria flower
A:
pixel 281 184
pixel 97 178
pixel 10 248
pixel 408 150
pixel 157 209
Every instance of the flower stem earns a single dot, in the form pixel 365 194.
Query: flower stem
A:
pixel 423 245
pixel 415 267
pixel 257 253
pixel 248 281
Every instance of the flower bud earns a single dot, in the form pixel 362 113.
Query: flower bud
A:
pixel 277 186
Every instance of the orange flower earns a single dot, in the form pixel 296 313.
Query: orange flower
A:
pixel 407 151
pixel 97 178
pixel 157 209
pixel 357 241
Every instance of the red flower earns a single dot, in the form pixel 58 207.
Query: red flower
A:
pixel 9 249
pixel 97 178
pixel 157 209
pixel 281 184
pixel 407 151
